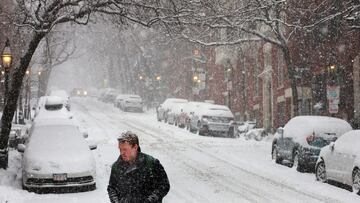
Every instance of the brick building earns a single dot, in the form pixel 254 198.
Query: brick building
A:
pixel 252 79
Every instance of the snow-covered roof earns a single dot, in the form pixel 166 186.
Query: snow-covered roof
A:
pixel 170 101
pixel 302 126
pixel 53 100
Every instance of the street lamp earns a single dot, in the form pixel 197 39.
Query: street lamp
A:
pixel 158 78
pixel 6 58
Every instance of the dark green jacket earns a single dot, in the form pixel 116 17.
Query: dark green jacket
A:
pixel 144 181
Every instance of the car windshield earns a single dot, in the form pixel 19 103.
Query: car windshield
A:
pixel 56 137
pixel 321 142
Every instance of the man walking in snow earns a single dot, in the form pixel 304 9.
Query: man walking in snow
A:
pixel 136 177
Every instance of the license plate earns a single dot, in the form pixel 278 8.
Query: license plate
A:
pixel 59 177
pixel 219 128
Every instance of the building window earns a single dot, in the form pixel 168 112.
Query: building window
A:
pixel 280 68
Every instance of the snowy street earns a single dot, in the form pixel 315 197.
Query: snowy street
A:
pixel 200 169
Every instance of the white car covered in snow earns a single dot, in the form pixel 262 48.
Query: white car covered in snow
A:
pixel 132 102
pixel 173 116
pixel 57 158
pixel 340 161
pixel 52 107
pixel 64 97
pixel 163 109
pixel 212 119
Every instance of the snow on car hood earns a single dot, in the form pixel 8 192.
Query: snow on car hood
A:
pixel 57 149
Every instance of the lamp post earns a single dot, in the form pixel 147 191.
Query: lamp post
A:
pixel 6 58
pixel 27 96
pixel 39 84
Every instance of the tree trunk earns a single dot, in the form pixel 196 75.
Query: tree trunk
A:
pixel 291 72
pixel 14 93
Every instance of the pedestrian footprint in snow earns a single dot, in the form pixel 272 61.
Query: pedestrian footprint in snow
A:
pixel 136 177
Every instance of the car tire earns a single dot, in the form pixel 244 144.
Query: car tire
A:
pixel 356 181
pixel 296 162
pixel 193 130
pixel 231 133
pixel 320 172
pixel 275 155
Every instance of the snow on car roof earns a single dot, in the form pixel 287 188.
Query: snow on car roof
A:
pixel 213 110
pixel 53 100
pixel 175 100
pixel 302 126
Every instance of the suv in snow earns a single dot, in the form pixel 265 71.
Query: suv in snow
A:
pixel 212 119
pixel 163 109
pixel 298 144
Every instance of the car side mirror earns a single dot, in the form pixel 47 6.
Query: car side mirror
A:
pixel 21 148
pixel 332 146
pixel 93 147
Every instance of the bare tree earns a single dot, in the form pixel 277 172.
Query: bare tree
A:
pixel 38 17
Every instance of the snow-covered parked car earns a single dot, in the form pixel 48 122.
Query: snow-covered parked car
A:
pixel 188 109
pixel 340 161
pixel 174 113
pixel 119 100
pixel 212 119
pixel 298 144
pixel 64 97
pixel 52 107
pixel 163 109
pixel 49 164
pixel 132 102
